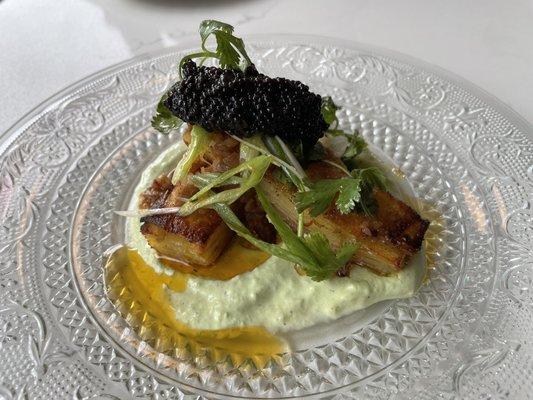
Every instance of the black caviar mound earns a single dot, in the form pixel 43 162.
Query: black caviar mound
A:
pixel 245 103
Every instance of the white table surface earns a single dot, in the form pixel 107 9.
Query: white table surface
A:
pixel 46 45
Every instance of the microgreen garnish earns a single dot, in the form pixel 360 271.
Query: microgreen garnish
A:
pixel 322 193
pixel 329 111
pixel 229 52
pixel 163 120
pixel 354 147
pixel 356 144
pixel 348 193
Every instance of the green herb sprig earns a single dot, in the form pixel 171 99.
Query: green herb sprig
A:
pixel 329 112
pixel 230 51
pixel 322 193
pixel 312 252
pixel 205 197
pixel 163 120
pixel 348 193
pixel 356 144
pixel 200 139
pixel 352 192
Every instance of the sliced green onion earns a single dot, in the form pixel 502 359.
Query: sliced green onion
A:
pixel 276 160
pixel 278 147
pixel 204 197
pixel 248 152
pixel 148 212
pixel 290 239
pixel 203 179
pixel 292 173
pixel 256 165
pixel 200 139
pixel 292 159
pixel 338 166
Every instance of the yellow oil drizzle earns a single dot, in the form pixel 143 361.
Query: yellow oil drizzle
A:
pixel 138 291
pixel 235 260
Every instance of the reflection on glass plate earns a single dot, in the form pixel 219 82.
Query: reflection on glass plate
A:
pixel 77 158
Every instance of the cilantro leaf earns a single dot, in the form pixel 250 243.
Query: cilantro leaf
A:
pixel 356 145
pixel 329 110
pixel 351 193
pixel 163 120
pixel 230 50
pixel 322 193
pixel 371 176
pixel 210 26
pixel 329 260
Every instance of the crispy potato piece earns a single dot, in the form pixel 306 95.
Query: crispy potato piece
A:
pixel 387 238
pixel 198 238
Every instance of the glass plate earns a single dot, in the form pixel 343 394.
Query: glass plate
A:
pixel 466 158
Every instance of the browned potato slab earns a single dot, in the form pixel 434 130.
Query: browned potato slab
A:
pixel 198 238
pixel 387 238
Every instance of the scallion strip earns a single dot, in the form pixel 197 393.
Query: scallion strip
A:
pixel 200 139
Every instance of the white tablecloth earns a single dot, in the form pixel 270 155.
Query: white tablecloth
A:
pixel 46 45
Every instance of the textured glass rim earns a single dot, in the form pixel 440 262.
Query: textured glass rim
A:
pixel 7 137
